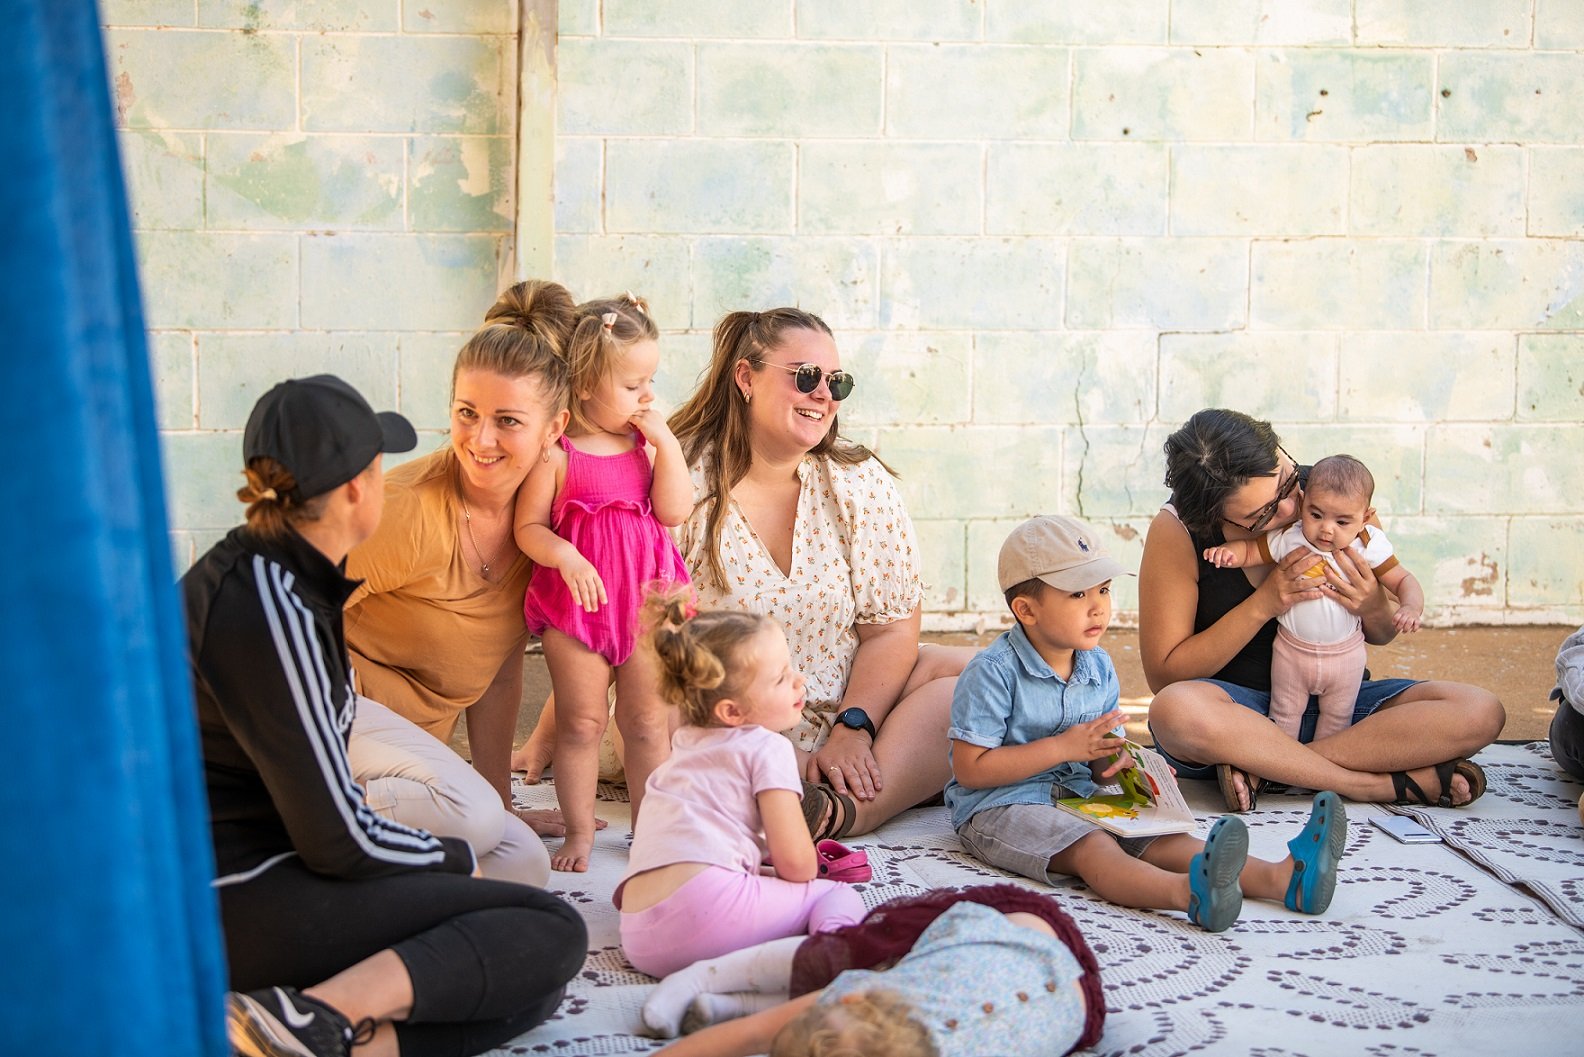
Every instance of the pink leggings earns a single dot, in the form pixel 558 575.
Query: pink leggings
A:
pixel 1333 670
pixel 722 910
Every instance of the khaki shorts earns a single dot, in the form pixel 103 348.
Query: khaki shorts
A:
pixel 1023 837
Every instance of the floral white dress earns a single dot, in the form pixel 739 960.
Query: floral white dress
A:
pixel 854 561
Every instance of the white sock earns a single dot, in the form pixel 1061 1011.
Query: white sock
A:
pixel 707 1009
pixel 767 967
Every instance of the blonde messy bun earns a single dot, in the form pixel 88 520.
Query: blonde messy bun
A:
pixel 524 335
pixel 700 655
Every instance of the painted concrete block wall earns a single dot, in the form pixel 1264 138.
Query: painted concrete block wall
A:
pixel 1047 232
pixel 316 186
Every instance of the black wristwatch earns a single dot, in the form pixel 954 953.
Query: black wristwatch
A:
pixel 857 719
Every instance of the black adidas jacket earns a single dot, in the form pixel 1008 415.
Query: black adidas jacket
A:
pixel 275 708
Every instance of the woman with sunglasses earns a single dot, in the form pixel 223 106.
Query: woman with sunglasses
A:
pixel 1206 637
pixel 813 534
pixel 797 523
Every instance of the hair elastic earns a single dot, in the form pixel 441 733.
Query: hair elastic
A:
pixel 268 493
pixel 632 299
pixel 609 320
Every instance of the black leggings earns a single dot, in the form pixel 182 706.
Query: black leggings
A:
pixel 488 959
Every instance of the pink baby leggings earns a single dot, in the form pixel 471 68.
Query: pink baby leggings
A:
pixel 722 910
pixel 1332 670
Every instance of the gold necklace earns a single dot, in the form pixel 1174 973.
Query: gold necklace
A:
pixel 467 519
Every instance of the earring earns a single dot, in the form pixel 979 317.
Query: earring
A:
pixel 544 454
pixel 747 397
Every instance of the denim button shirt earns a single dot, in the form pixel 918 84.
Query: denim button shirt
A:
pixel 1008 695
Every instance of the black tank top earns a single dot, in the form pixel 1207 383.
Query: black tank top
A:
pixel 1220 592
pixel 1223 590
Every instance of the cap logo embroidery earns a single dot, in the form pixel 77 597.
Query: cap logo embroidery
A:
pixel 1082 545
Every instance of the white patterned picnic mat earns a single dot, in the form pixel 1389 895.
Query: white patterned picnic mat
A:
pixel 1423 952
pixel 1528 834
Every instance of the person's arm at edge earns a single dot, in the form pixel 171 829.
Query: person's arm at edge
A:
pixel 744 1037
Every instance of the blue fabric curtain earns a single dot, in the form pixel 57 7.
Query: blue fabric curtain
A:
pixel 108 927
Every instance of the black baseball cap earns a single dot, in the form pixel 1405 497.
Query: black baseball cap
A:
pixel 323 431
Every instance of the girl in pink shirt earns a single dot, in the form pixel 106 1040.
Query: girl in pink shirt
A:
pixel 726 802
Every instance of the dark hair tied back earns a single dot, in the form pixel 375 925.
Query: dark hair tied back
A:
pixel 1213 455
pixel 273 503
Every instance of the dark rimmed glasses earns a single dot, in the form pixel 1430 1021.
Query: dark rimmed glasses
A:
pixel 807 378
pixel 1265 514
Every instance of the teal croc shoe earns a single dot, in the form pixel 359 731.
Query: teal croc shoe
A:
pixel 1214 897
pixel 1316 851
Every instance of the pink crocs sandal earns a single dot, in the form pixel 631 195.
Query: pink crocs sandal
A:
pixel 837 862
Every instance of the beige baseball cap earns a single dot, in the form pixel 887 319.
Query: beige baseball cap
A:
pixel 1061 551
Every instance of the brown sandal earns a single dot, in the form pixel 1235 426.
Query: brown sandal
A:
pixel 838 812
pixel 1409 791
pixel 1225 772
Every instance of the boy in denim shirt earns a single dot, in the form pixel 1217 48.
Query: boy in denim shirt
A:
pixel 1035 719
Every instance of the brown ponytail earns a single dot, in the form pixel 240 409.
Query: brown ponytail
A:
pixel 271 495
pixel 715 418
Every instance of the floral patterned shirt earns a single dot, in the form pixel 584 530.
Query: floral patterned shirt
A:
pixel 854 561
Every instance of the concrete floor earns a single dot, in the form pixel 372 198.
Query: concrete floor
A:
pixel 1518 663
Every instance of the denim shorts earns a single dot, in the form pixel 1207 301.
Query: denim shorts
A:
pixel 1372 695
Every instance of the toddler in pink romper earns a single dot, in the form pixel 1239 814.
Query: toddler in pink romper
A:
pixel 603 510
pixel 592 515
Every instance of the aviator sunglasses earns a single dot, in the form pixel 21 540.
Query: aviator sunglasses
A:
pixel 807 378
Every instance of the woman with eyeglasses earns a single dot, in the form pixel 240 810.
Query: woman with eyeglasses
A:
pixel 795 522
pixel 1206 637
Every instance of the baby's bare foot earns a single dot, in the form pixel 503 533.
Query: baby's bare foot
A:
pixel 572 857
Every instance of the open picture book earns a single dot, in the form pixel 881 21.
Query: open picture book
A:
pixel 1149 805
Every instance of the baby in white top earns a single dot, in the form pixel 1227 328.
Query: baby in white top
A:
pixel 1320 644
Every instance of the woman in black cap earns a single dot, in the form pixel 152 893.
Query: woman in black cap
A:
pixel 342 928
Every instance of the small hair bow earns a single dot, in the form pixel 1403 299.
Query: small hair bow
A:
pixel 609 319
pixel 632 299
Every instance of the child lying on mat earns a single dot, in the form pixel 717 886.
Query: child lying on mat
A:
pixel 894 986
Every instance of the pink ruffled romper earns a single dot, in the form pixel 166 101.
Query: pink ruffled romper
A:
pixel 603 510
